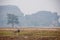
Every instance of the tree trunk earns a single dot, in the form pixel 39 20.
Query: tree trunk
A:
pixel 12 25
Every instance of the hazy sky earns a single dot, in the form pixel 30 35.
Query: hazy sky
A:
pixel 32 6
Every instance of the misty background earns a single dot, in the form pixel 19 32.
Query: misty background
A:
pixel 31 12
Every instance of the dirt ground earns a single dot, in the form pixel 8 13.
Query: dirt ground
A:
pixel 28 38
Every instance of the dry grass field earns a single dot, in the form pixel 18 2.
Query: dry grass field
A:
pixel 30 34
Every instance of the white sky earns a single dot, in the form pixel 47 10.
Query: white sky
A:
pixel 32 6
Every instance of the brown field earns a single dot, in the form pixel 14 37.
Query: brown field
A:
pixel 30 34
